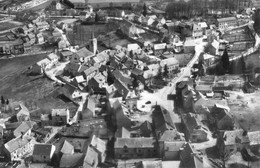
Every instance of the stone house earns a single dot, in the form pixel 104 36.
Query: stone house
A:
pixel 60 116
pixel 232 141
pixel 135 148
pixel 195 130
pixel 42 153
pixel 16 148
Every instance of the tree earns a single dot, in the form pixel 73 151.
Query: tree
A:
pixel 166 72
pixel 144 10
pixel 257 21
pixel 225 60
pixel 159 75
pixel 7 102
pixel 243 64
pixel 2 100
pixel 96 18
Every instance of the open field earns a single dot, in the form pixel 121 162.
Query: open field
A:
pixel 246 109
pixel 37 93
pixel 6 25
pixel 9 66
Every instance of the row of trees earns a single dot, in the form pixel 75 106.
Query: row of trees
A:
pixel 199 7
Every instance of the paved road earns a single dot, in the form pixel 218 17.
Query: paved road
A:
pixel 185 72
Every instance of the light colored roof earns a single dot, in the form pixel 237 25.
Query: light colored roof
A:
pixel 133 47
pixel 44 61
pixel 91 157
pixel 91 105
pixel 23 111
pixel 222 106
pixel 16 143
pixel 80 79
pixel 203 24
pixel 83 52
pixel 134 142
pixel 67 148
pixel 123 133
pixel 169 61
pixel 21 129
pixel 254 137
pixel 77 1
pixel 99 144
pixel 112 1
pixel 59 112
pixel 52 56
pixel 160 46
pixel 174 145
pixel 171 164
pixel 235 136
pixel 226 19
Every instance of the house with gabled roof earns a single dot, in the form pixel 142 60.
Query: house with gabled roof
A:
pixel 89 110
pixel 146 129
pixel 72 68
pixel 43 153
pixel 135 148
pixel 82 55
pixel 91 158
pixel 163 121
pixel 18 147
pixel 223 118
pixel 80 82
pixel 97 82
pixel 232 141
pixel 100 146
pixel 190 157
pixel 67 148
pixel 72 160
pixel 23 114
pixel 171 150
pixel 195 130
pixel 70 91
pixel 24 129
pixel 90 72
pixel 66 55
pixel 254 138
pixel 53 58
pixel 60 116
pixel 120 115
pixel 123 133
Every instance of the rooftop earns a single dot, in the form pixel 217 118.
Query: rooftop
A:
pixel 235 136
pixel 135 142
pixel 43 149
pixel 59 112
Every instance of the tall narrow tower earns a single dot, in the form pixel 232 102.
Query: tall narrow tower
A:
pixel 94 43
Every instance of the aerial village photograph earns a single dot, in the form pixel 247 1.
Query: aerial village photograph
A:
pixel 129 83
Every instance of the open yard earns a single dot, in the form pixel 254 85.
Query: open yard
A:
pixel 37 93
pixel 10 66
pixel 8 25
pixel 246 109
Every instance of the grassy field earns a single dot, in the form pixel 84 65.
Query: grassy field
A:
pixel 34 92
pixel 6 25
pixel 9 66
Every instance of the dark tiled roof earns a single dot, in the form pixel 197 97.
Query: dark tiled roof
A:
pixel 83 52
pixel 134 142
pixel 42 149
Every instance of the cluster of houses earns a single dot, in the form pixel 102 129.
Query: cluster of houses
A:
pixel 205 109
pixel 22 39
